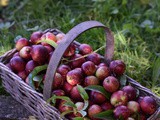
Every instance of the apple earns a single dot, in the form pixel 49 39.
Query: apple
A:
pixel 119 98
pixel 22 74
pixel 75 95
pixel 25 52
pixel 97 97
pixel 60 36
pixel 35 37
pixel 107 106
pixel 30 66
pixel 148 105
pixel 70 51
pixel 88 68
pixel 58 81
pixel 117 67
pixel 91 80
pixel 77 63
pixel 133 106
pixel 85 49
pixel 121 112
pixel 94 57
pixel 111 84
pixel 130 91
pixel 39 54
pixel 20 43
pixel 102 72
pixel 67 87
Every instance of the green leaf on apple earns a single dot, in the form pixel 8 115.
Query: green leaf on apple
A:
pixel 107 115
pixel 35 71
pixel 50 42
pixel 78 118
pixel 98 88
pixel 82 92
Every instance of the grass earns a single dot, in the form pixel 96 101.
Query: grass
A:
pixel 134 25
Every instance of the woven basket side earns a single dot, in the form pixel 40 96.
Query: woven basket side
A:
pixel 28 97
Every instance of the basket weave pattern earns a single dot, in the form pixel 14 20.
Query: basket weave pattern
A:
pixel 34 102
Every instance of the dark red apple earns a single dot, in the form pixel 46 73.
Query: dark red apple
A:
pixel 121 112
pixel 58 92
pixel 102 64
pixel 133 106
pixel 25 52
pixel 91 80
pixel 67 87
pixel 130 91
pixel 48 36
pixel 63 70
pixel 49 48
pixel 95 58
pixel 93 110
pixel 85 49
pixel 20 43
pixel 111 84
pixel 119 98
pixel 58 81
pixel 70 51
pixel 36 37
pixel 39 54
pixel 30 66
pixel 17 64
pixel 107 106
pixel 117 67
pixel 22 74
pixel 97 97
pixel 102 72
pixel 148 105
pixel 74 77
pixel 77 60
pixel 88 68
pixel 75 95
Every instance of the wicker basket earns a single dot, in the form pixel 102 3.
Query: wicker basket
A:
pixel 36 102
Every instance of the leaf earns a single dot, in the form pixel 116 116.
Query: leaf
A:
pixel 35 71
pixel 50 42
pixel 70 103
pixel 82 92
pixel 98 88
pixel 107 115
pixel 86 103
pixel 83 113
pixel 78 118
pixel 123 81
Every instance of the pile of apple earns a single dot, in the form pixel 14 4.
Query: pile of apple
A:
pixel 82 67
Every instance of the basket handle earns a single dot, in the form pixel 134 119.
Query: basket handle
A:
pixel 68 39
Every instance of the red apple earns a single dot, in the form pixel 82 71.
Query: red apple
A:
pixel 119 98
pixel 36 37
pixel 58 92
pixel 133 106
pixel 67 87
pixel 148 105
pixel 102 72
pixel 88 68
pixel 39 54
pixel 48 36
pixel 77 60
pixel 63 108
pixel 117 67
pixel 111 84
pixel 75 95
pixel 16 54
pixel 93 110
pixel 58 81
pixel 97 97
pixel 49 48
pixel 102 64
pixel 17 64
pixel 30 66
pixel 70 51
pixel 63 70
pixel 74 77
pixel 91 80
pixel 121 112
pixel 130 91
pixel 106 106
pixel 25 52
pixel 20 43
pixel 95 58
pixel 85 49
pixel 22 74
